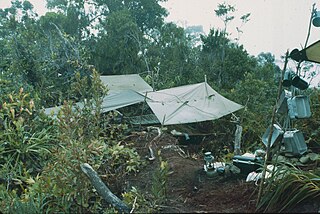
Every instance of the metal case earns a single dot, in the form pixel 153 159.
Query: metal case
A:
pixel 282 106
pixel 299 107
pixel 277 135
pixel 294 143
pixel 247 164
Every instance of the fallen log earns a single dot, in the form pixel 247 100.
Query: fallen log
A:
pixel 103 190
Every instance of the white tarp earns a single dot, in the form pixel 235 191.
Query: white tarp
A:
pixel 126 82
pixel 110 102
pixel 124 90
pixel 179 105
pixel 119 99
pixel 189 104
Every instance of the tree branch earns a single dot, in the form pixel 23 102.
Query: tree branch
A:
pixel 103 190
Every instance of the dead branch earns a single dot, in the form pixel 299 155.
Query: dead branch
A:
pixel 103 190
pixel 152 157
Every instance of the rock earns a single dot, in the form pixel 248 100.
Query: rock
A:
pixel 313 156
pixel 282 159
pixel 304 159
pixel 294 160
pixel 234 169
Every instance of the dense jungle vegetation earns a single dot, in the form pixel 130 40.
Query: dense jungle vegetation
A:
pixel 56 59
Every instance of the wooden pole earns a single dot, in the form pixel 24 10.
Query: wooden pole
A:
pixel 237 140
pixel 271 132
pixel 313 10
pixel 103 190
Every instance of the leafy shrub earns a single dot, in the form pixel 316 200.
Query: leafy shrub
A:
pixel 29 202
pixel 149 203
pixel 26 136
pixel 78 133
pixel 258 97
pixel 160 183
pixel 81 140
pixel 139 201
pixel 289 187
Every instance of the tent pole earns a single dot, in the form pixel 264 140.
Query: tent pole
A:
pixel 164 118
pixel 145 100
pixel 308 35
pixel 205 80
pixel 261 185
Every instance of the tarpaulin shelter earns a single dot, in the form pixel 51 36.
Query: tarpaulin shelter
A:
pixel 123 90
pixel 178 105
pixel 133 82
pixel 189 104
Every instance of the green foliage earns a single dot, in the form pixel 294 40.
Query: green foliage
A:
pixel 145 203
pixel 160 183
pixel 79 142
pixel 40 55
pixel 289 187
pixel 148 15
pixel 31 202
pixel 225 63
pixel 116 52
pixel 259 97
pixel 26 139
pixel 49 56
pixel 172 57
pixel 138 201
pixel 223 11
pixel 63 180
pixel 78 138
pixel 122 160
pixel 84 122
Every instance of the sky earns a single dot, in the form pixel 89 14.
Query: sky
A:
pixel 275 26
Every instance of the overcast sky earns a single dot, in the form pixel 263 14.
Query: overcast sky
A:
pixel 275 25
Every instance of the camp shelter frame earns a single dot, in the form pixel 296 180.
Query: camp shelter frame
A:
pixel 189 104
pixel 178 105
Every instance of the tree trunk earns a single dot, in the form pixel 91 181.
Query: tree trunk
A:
pixel 237 140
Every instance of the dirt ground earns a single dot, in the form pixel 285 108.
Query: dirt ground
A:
pixel 189 189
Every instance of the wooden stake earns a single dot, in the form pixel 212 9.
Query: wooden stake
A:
pixel 271 132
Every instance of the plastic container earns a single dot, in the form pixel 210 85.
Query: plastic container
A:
pixel 277 135
pixel 299 107
pixel 294 143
